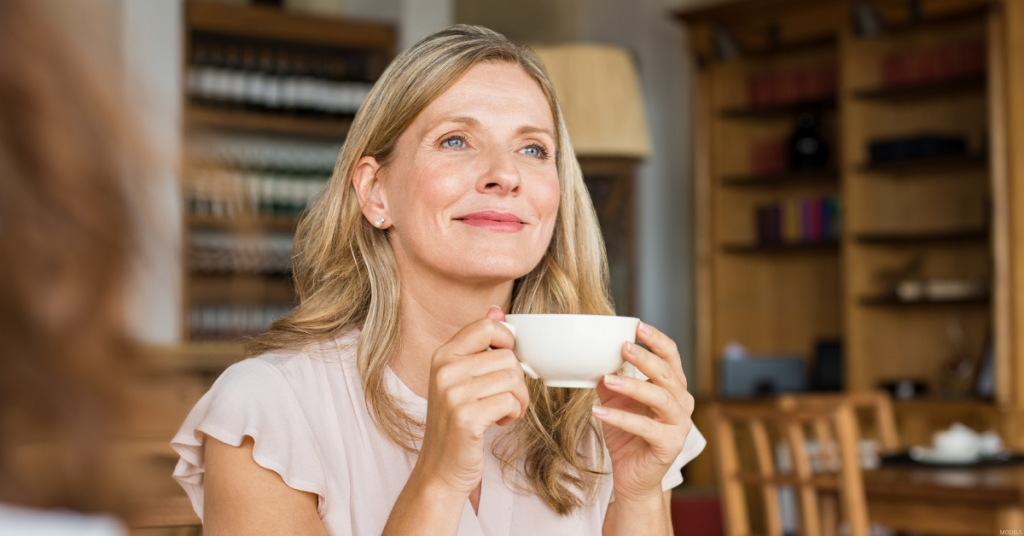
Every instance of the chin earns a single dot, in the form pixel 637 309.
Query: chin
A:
pixel 489 268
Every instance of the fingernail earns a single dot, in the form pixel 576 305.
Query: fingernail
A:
pixel 632 349
pixel 612 379
pixel 496 307
pixel 645 329
pixel 600 410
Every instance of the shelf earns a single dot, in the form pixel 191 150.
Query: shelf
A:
pixel 893 301
pixel 829 176
pixel 946 88
pixel 280 223
pixel 899 238
pixel 276 24
pixel 216 118
pixel 778 110
pixel 828 246
pixel 240 289
pixel 958 162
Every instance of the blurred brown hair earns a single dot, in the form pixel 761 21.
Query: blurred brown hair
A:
pixel 66 211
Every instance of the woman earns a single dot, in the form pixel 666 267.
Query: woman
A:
pixel 371 408
pixel 67 150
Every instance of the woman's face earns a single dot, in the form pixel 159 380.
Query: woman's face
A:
pixel 472 191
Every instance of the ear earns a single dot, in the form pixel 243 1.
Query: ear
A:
pixel 367 185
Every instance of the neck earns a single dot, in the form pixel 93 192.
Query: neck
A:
pixel 433 309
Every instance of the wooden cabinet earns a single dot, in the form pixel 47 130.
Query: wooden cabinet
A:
pixel 931 69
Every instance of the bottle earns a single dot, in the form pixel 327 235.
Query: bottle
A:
pixel 807 147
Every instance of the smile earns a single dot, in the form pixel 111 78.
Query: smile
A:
pixel 503 222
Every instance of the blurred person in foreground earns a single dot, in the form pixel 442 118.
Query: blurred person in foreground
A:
pixel 66 207
pixel 375 406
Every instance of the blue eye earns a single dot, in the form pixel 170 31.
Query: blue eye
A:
pixel 535 151
pixel 454 142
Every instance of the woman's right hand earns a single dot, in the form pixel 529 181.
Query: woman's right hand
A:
pixel 471 389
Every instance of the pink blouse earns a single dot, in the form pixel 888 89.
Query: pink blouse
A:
pixel 308 417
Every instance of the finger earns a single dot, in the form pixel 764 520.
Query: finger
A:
pixel 495 313
pixel 497 408
pixel 654 367
pixel 475 365
pixel 663 438
pixel 477 337
pixel 659 399
pixel 503 381
pixel 662 345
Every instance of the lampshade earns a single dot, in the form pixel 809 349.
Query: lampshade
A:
pixel 599 93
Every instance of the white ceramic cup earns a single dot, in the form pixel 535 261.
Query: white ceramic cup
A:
pixel 570 350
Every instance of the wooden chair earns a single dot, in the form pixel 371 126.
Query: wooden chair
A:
pixel 878 402
pixel 839 473
pixel 165 513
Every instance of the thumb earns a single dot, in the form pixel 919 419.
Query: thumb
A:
pixel 494 313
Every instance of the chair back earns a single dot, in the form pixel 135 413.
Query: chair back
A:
pixel 837 470
pixel 879 403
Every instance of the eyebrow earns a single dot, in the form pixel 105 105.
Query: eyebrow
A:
pixel 525 129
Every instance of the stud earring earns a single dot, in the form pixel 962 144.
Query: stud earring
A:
pixel 378 223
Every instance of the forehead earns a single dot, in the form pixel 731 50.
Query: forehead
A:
pixel 493 93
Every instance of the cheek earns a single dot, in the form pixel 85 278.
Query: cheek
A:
pixel 548 198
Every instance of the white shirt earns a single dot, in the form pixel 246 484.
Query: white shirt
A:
pixel 307 414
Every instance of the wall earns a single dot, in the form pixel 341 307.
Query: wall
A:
pixel 151 55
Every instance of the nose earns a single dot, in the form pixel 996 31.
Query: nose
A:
pixel 501 176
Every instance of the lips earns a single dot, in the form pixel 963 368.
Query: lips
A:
pixel 505 222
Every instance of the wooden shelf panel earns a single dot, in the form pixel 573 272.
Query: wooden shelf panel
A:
pixel 938 164
pixel 240 289
pixel 780 110
pixel 894 301
pixel 205 117
pixel 795 177
pixel 894 238
pixel 827 247
pixel 270 23
pixel 280 223
pixel 948 88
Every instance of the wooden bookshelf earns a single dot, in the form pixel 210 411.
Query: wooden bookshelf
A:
pixel 940 217
pixel 199 117
pixel 270 36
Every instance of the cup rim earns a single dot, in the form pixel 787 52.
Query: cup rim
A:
pixel 573 315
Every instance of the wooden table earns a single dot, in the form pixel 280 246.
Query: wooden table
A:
pixel 974 501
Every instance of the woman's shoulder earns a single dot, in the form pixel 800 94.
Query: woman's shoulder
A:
pixel 300 367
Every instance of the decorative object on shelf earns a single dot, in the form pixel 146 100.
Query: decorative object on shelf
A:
pixel 809 85
pixel 934 64
pixel 827 373
pixel 915 147
pixel 806 220
pixel 808 149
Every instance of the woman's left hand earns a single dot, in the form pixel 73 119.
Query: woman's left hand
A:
pixel 645 422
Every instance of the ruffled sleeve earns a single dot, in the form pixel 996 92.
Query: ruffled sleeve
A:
pixel 252 398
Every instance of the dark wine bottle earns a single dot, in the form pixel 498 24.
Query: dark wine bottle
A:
pixel 807 147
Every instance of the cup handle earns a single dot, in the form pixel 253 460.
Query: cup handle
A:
pixel 526 368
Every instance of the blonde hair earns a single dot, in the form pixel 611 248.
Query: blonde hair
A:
pixel 346 276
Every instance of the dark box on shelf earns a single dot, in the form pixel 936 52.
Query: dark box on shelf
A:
pixel 927 146
pixel 761 376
